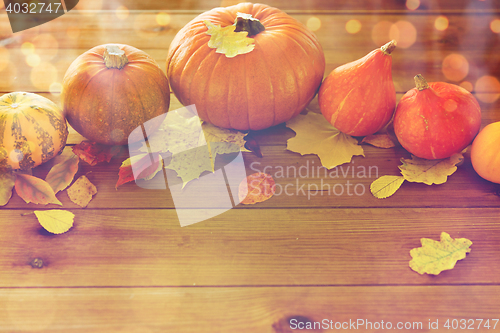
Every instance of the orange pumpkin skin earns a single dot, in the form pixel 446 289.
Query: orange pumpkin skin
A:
pixel 438 121
pixel 106 104
pixel 359 98
pixel 265 87
pixel 485 153
pixel 32 130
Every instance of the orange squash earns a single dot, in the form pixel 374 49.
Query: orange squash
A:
pixel 359 98
pixel 265 87
pixel 436 120
pixel 112 89
pixel 32 130
pixel 485 153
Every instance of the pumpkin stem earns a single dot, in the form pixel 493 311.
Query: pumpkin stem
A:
pixel 114 57
pixel 389 47
pixel 420 82
pixel 245 22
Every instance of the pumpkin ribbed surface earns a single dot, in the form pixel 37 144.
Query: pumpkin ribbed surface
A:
pixel 262 88
pixel 32 130
pixel 104 103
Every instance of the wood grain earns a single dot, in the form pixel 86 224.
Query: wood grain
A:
pixel 228 310
pixel 128 266
pixel 245 247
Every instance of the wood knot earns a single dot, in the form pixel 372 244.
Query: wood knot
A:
pixel 36 263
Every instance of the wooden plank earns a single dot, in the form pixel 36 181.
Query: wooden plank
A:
pixel 267 309
pixel 312 5
pixel 241 247
pixel 469 36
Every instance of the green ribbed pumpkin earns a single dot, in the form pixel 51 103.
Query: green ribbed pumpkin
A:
pixel 32 130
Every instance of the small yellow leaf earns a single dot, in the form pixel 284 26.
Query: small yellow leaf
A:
pixel 429 172
pixel 7 181
pixel 219 134
pixel 228 42
pixel 55 221
pixel 315 135
pixel 81 191
pixel 434 257
pixel 379 140
pixel 386 186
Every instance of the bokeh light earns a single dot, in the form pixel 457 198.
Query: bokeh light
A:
pixel 313 23
pixel 8 76
pixel 412 4
pixel 4 58
pixel 495 26
pixel 404 33
pixel 73 32
pixel 43 76
pixel 441 23
pixel 450 105
pixel 163 19
pixel 467 86
pixel 46 45
pixel 55 88
pixel 145 27
pixel 88 8
pixel 122 12
pixel 487 89
pixel 27 48
pixel 33 60
pixel 353 26
pixel 380 32
pixel 455 67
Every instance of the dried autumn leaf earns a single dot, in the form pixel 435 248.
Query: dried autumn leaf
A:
pixel 218 134
pixel 315 135
pixel 7 181
pixel 193 146
pixel 142 166
pixel 434 257
pixel 257 187
pixel 386 186
pixel 379 140
pixel 62 174
pixel 81 191
pixel 228 42
pixel 429 172
pixel 55 221
pixel 94 153
pixel 35 190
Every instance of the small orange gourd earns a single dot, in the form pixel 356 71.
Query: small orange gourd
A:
pixel 436 120
pixel 485 153
pixel 32 130
pixel 112 89
pixel 359 98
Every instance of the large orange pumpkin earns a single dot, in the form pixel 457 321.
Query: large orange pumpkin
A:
pixel 112 89
pixel 485 153
pixel 262 88
pixel 32 130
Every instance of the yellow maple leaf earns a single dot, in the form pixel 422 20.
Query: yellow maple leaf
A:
pixel 379 140
pixel 434 257
pixel 386 186
pixel 228 42
pixel 218 134
pixel 429 172
pixel 81 191
pixel 55 221
pixel 315 135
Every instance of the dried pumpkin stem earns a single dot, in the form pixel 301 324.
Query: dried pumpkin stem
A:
pixel 114 57
pixel 389 47
pixel 245 22
pixel 420 82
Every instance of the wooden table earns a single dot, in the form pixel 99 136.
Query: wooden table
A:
pixel 128 266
